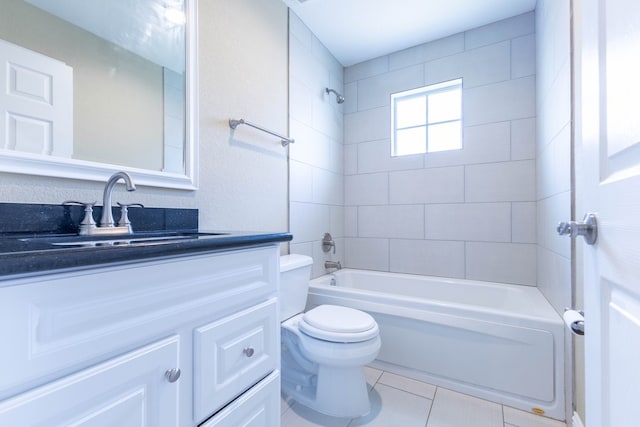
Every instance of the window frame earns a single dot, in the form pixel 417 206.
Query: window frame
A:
pixel 424 92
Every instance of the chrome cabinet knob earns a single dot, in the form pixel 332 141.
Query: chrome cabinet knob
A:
pixel 248 351
pixel 172 374
pixel 587 228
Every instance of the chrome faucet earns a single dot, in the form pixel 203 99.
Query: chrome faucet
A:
pixel 332 265
pixel 107 215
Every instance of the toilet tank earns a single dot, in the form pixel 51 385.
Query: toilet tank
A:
pixel 295 273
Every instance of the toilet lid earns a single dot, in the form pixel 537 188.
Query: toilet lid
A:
pixel 338 324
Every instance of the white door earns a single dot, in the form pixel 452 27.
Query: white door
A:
pixel 607 106
pixel 36 102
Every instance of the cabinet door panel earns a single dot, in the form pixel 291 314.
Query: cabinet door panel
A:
pixel 232 354
pixel 128 391
pixel 258 407
pixel 63 323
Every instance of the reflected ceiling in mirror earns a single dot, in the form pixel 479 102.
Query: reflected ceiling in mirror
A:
pixel 152 29
pixel 129 68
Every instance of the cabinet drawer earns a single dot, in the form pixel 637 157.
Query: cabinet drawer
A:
pixel 258 407
pixel 130 390
pixel 232 354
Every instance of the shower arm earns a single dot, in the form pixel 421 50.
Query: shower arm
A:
pixel 339 97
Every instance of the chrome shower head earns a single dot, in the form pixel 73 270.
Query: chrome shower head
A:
pixel 339 98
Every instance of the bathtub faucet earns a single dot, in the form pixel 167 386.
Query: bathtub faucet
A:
pixel 332 264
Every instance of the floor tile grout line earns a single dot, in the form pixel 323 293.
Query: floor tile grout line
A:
pixel 407 391
pixel 433 402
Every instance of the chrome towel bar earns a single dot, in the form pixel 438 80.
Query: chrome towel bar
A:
pixel 284 140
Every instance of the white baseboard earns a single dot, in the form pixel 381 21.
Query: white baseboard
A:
pixel 576 421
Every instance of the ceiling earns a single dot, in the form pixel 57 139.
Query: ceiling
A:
pixel 358 30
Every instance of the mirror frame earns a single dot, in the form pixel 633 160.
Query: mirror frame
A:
pixel 41 165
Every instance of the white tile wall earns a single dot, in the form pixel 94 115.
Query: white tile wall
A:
pixel 309 221
pixel 327 187
pixel 485 222
pixel 502 30
pixel 553 152
pixel 551 211
pixel 523 222
pixel 501 262
pixel 481 144
pixel 508 100
pixel 391 221
pixel 367 125
pixel 368 189
pixel 311 147
pixel 375 91
pixel 436 185
pixel 523 139
pixel 366 69
pixel 554 278
pixel 478 203
pixel 300 182
pixel 375 157
pixel 350 221
pixel 523 56
pixel 368 254
pixel 350 159
pixel 553 173
pixel 430 257
pixel 488 64
pixel 427 52
pixel 499 182
pixel 317 159
pixel 350 104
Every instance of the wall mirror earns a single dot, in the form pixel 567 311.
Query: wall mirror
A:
pixel 94 86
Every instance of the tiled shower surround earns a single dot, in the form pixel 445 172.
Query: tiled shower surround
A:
pixel 468 213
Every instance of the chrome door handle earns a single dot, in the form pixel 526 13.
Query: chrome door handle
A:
pixel 587 228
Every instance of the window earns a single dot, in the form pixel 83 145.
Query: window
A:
pixel 427 119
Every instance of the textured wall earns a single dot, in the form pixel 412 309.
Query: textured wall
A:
pixel 468 213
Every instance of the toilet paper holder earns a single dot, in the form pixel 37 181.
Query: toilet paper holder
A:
pixel 574 320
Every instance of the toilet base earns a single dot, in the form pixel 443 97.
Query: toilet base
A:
pixel 338 392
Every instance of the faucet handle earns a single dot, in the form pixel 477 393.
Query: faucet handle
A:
pixel 124 214
pixel 328 243
pixel 87 223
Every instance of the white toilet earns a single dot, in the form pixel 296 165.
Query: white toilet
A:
pixel 325 349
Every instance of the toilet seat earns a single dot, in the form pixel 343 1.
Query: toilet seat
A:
pixel 338 324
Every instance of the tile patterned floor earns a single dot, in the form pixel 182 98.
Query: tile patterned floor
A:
pixel 398 401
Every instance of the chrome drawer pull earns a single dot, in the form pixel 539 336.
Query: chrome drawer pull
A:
pixel 172 374
pixel 248 351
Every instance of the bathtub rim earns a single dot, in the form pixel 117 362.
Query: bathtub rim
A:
pixel 547 316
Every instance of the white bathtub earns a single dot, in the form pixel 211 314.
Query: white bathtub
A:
pixel 499 342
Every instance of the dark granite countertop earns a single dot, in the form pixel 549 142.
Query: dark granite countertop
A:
pixel 23 256
pixel 37 239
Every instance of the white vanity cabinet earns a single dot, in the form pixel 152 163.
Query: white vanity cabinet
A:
pixel 179 342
